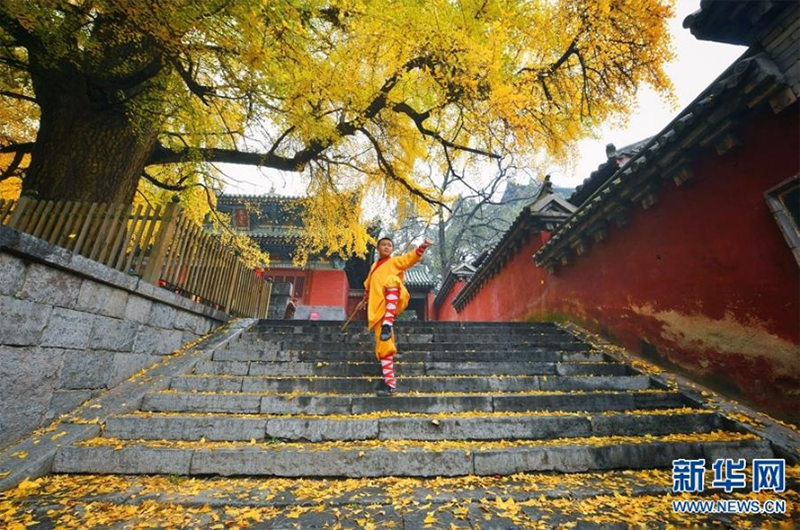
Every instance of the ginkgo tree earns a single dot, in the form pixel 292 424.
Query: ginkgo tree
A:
pixel 352 93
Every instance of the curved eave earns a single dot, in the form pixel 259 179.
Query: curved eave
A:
pixel 732 22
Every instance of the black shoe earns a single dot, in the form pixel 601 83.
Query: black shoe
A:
pixel 384 390
pixel 386 332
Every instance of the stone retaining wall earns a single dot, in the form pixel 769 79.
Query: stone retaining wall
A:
pixel 70 327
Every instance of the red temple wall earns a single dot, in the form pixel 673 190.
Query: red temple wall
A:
pixel 508 295
pixel 446 311
pixel 703 279
pixel 430 312
pixel 327 288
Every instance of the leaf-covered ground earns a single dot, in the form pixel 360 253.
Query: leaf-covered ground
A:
pixel 618 499
pixel 440 445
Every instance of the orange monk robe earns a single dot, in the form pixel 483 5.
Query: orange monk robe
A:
pixel 385 274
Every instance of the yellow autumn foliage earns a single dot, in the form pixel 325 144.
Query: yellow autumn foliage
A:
pixel 355 94
pixel 197 203
pixel 10 188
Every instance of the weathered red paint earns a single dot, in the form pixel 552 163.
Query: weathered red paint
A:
pixel 327 288
pixel 429 310
pixel 511 294
pixel 446 311
pixel 702 278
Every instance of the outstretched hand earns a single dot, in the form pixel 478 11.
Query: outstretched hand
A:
pixel 424 246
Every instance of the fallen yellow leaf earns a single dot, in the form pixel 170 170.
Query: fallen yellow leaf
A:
pixel 28 485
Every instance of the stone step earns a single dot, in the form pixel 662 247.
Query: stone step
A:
pixel 331 326
pixel 406 337
pixel 350 385
pixel 368 345
pixel 580 501
pixel 402 458
pixel 492 356
pixel 284 493
pixel 372 368
pixel 489 426
pixel 253 403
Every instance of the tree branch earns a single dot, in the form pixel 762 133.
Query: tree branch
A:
pixel 15 95
pixel 133 80
pixel 301 158
pixel 419 120
pixel 164 155
pixel 194 87
pixel 297 162
pixel 163 185
pixel 572 48
pixel 387 167
pixel 13 63
pixel 25 148
pixel 281 138
pixel 11 170
pixel 18 32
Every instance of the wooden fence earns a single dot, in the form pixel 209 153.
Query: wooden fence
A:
pixel 160 245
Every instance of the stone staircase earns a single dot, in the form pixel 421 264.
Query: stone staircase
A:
pixel 295 399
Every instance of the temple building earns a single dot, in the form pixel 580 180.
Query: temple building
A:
pixel 328 287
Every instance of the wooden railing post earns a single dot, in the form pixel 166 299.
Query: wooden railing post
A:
pixel 19 211
pixel 163 239
pixel 229 304
pixel 267 292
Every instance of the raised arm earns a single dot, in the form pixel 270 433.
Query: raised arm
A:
pixel 410 259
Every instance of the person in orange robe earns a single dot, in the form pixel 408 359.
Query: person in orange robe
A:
pixel 387 297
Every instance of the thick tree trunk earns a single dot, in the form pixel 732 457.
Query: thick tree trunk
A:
pixel 86 148
pixel 444 266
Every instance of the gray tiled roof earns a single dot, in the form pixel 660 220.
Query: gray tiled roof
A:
pixel 599 176
pixel 418 276
pixel 462 271
pixel 237 198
